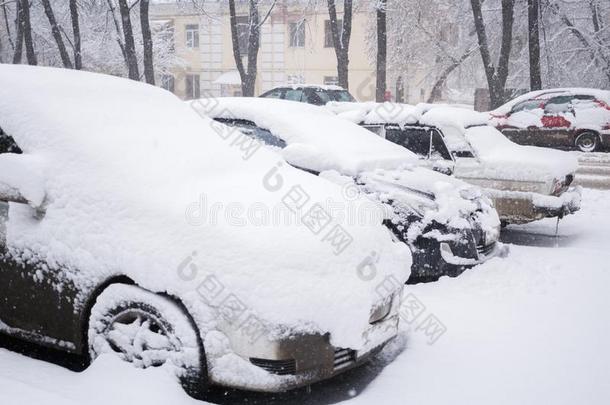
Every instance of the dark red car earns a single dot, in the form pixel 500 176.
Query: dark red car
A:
pixel 557 118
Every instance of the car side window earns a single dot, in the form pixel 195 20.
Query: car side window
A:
pixel 323 97
pixel 526 106
pixel 294 95
pixel 417 140
pixel 438 149
pixel 277 93
pixel 557 105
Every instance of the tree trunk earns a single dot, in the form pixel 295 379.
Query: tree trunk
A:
pixel 382 52
pixel 19 27
pixel 78 59
pixel 247 74
pixel 533 15
pixel 65 59
pixel 253 48
pixel 496 76
pixel 27 33
pixel 131 58
pixel 8 27
pixel 341 39
pixel 149 69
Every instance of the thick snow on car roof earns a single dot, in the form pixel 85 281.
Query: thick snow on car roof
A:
pixel 130 174
pixel 316 138
pixel 603 95
pixel 465 129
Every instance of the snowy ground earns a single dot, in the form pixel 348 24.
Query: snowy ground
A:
pixel 529 329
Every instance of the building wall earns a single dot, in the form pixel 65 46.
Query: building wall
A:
pixel 278 63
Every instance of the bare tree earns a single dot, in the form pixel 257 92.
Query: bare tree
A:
pixel 76 44
pixel 382 50
pixel 8 26
pixel 149 69
pixel 65 58
pixel 341 39
pixel 496 76
pixel 247 74
pixel 131 58
pixel 533 17
pixel 442 79
pixel 25 26
pixel 19 27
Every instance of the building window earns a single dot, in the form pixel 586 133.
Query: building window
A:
pixel 243 33
pixel 167 82
pixel 328 33
pixel 192 35
pixel 192 87
pixel 297 34
pixel 331 80
pixel 296 79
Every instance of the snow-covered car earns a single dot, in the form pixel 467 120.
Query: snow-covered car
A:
pixel 110 243
pixel 310 93
pixel 557 118
pixel 526 183
pixel 449 225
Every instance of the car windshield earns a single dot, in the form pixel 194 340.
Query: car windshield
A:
pixel 250 129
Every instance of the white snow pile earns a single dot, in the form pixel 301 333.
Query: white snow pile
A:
pixel 316 139
pixel 127 168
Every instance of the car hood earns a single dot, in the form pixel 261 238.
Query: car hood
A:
pixel 136 183
pixel 436 197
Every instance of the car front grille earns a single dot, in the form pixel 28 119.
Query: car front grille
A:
pixel 344 358
pixel 279 367
pixel 485 249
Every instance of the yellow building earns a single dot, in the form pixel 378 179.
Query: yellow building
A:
pixel 296 47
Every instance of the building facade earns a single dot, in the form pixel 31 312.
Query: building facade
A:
pixel 296 47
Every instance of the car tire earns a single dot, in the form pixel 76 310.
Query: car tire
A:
pixel 587 141
pixel 148 330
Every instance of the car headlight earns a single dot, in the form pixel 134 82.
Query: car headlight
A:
pixel 381 311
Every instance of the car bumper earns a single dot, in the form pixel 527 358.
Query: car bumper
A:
pixel 303 360
pixel 524 207
pixel 496 249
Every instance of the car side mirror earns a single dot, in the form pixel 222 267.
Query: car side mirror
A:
pixel 21 182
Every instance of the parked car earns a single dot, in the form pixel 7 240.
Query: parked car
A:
pixel 448 224
pixel 526 183
pixel 108 246
pixel 310 94
pixel 557 118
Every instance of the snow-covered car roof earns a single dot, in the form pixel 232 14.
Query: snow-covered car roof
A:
pixel 130 173
pixel 316 138
pixel 603 95
pixel 465 129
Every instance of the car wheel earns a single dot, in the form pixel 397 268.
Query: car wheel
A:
pixel 147 330
pixel 586 142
